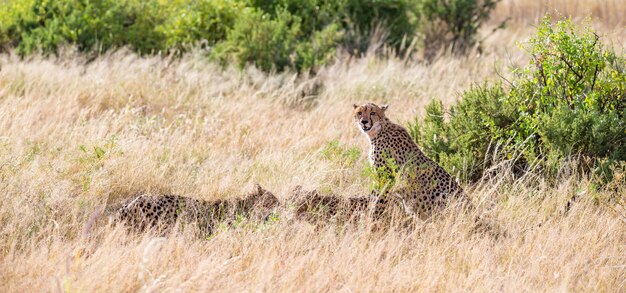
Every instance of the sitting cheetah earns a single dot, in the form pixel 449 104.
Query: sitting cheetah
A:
pixel 420 185
pixel 163 211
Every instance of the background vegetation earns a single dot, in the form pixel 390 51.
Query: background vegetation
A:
pixel 270 34
pixel 570 100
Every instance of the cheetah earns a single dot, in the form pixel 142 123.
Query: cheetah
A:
pixel 163 211
pixel 420 184
pixel 315 208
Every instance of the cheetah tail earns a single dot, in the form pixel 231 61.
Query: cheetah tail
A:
pixel 91 221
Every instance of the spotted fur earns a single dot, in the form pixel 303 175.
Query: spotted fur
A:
pixel 314 207
pixel 421 185
pixel 163 211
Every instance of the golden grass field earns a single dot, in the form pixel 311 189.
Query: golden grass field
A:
pixel 74 137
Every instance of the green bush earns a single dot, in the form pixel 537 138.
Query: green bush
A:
pixel 10 28
pixel 356 19
pixel 398 20
pixel 453 24
pixel 49 23
pixel 270 34
pixel 145 26
pixel 186 24
pixel 300 34
pixel 306 34
pixel 43 25
pixel 478 127
pixel 267 42
pixel 569 101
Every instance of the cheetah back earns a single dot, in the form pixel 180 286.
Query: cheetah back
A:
pixel 422 184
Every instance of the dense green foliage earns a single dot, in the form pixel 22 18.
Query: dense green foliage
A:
pixel 569 101
pixel 144 26
pixel 271 34
pixel 453 24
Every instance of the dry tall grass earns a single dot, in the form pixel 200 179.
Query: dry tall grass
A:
pixel 75 136
pixel 608 13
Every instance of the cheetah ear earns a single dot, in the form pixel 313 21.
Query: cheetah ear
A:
pixel 355 106
pixel 384 107
pixel 258 189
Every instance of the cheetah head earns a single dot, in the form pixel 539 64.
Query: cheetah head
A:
pixel 260 201
pixel 369 116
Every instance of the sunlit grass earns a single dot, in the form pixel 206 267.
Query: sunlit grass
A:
pixel 75 137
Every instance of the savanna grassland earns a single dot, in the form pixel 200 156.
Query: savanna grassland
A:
pixel 78 135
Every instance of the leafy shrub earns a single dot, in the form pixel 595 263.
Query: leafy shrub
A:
pixel 187 23
pixel 569 101
pixel 48 24
pixel 397 18
pixel 306 34
pixel 257 38
pixel 90 25
pixel 477 129
pixel 357 19
pixel 271 34
pixel 453 24
pixel 145 26
pixel 10 23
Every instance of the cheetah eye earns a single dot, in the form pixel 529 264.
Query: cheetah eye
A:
pixel 359 113
pixel 373 113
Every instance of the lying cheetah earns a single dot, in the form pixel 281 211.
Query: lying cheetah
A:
pixel 313 207
pixel 163 211
pixel 421 185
